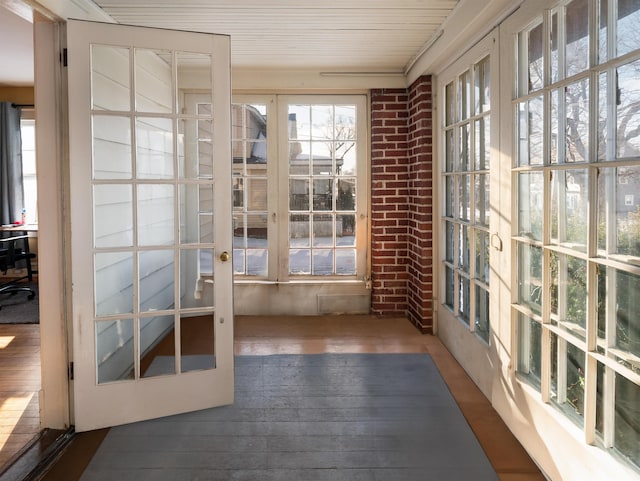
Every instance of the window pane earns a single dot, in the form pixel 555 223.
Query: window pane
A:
pixel 482 145
pixel 449 241
pixel 529 349
pixel 530 202
pixel 577 118
pixel 482 199
pixel 577 36
pixel 603 116
pixel 449 195
pixel 618 308
pixel 449 148
pixel 569 202
pixel 322 194
pixel 627 429
pixel 197 343
pixel 449 104
pixel 464 301
pixel 463 246
pixel 157 334
pixel 554 127
pixel 603 28
pixel 567 378
pixel 346 195
pixel 464 100
pixel 463 197
pixel 569 294
pixel 322 262
pixel 619 211
pixel 482 314
pixel 463 148
pixel 322 230
pixel 346 230
pixel 555 58
pixel 530 132
pixel 449 287
pixel 627 28
pixel 628 110
pixel 345 261
pixel 535 58
pixel 298 194
pixel 299 261
pixel 482 256
pixel 530 277
pixel 482 83
pixel 299 230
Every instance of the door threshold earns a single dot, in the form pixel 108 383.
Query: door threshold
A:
pixel 36 457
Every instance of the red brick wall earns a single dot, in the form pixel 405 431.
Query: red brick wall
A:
pixel 401 229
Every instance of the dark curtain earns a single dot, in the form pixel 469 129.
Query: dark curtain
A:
pixel 11 192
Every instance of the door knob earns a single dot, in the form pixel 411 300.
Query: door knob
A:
pixel 224 257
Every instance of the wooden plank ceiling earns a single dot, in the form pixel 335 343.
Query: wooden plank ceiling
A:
pixel 330 35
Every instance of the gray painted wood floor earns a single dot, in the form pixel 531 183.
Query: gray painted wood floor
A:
pixel 326 417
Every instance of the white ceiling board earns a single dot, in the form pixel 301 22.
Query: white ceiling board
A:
pixel 353 35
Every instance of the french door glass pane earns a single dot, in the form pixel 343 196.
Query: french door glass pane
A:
pixel 482 81
pixel 156 271
pixel 196 279
pixel 449 287
pixel 464 249
pixel 155 214
pixel 482 147
pixel 555 43
pixel 114 203
pixel 114 348
pixel 111 147
pixel 160 359
pixel 197 343
pixel 154 148
pixel 113 283
pixel 153 73
pixel 110 85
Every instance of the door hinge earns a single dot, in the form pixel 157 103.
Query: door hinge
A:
pixel 64 58
pixel 71 371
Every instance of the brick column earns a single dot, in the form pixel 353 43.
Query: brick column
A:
pixel 389 201
pixel 401 203
pixel 420 228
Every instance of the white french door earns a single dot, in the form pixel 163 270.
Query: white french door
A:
pixel 150 222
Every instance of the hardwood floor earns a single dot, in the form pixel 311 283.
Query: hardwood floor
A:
pixel 297 335
pixel 19 386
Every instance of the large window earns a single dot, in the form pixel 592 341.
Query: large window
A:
pixel 29 178
pixel 577 229
pixel 466 181
pixel 300 185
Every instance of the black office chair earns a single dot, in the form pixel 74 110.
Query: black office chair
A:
pixel 11 256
